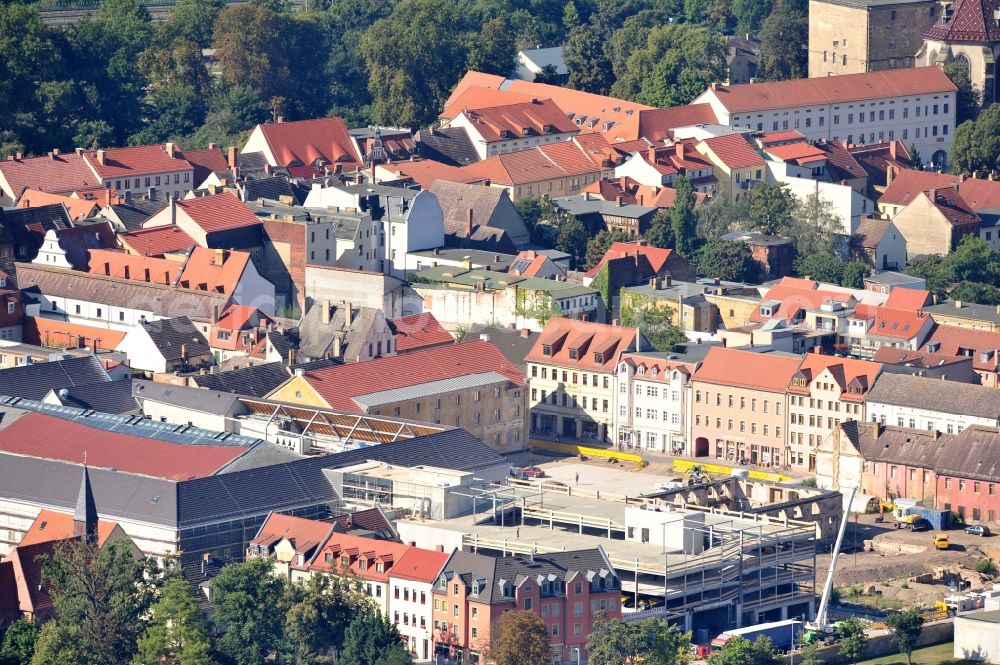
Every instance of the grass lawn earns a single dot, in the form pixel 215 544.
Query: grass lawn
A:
pixel 939 654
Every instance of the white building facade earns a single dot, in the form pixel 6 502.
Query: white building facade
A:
pixel 652 409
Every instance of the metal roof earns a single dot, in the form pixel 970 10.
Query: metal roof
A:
pixel 430 388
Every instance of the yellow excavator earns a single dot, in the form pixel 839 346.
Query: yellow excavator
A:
pixel 902 519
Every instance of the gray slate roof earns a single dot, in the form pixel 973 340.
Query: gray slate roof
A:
pixel 512 344
pixel 34 381
pixel 968 310
pixel 159 299
pixel 171 336
pixel 253 381
pixel 269 188
pixel 199 399
pixel 133 214
pixel 895 445
pixel 973 453
pixel 107 397
pixel 316 339
pixel 451 146
pixel 933 395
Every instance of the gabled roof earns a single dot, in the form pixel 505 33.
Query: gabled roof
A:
pixel 448 145
pixel 304 141
pixel 186 397
pixel 846 372
pixel 305 535
pixel 337 385
pixel 907 299
pixel 841 164
pixel 419 565
pixel 252 381
pixel 871 231
pixel 973 453
pixel 760 96
pixel 747 369
pixel 135 161
pixel 908 183
pixel 499 120
pixel 156 241
pixel 897 323
pixel 177 339
pixel 54 525
pixel 426 171
pixel 545 162
pixel 220 212
pixel 979 193
pixel 795 294
pixel 456 199
pixel 967 21
pixel 735 151
pixel 799 153
pixel 34 381
pixel 927 393
pixel 77 208
pixel 105 396
pixel 204 272
pixel 895 445
pixel 956 341
pixel 572 343
pixel 656 256
pixel 587 110
pixel 205 162
pixel 659 124
pixel 418 331
pixel 52 173
pixel 952 206
pixel 359 548
pixel 63 334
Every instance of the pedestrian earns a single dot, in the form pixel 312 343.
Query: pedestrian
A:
pixel 557 437
pixel 577 478
pixel 518 532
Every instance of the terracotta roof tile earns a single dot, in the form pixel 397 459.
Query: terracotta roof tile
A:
pixel 305 535
pixel 659 124
pixel 135 161
pixel 747 369
pixel 52 525
pixel 304 141
pixel 908 183
pixel 474 79
pixel 587 339
pixel 205 162
pixel 57 173
pixel 220 212
pixel 845 371
pixel 734 150
pixel 956 341
pixel 156 241
pixel 419 565
pixel 63 334
pixel 980 193
pixel 897 323
pixel 800 152
pixel 338 384
pixel 903 298
pixel 656 256
pixel 833 89
pixel 356 547
pixel 476 97
pixel 419 331
pixel 77 208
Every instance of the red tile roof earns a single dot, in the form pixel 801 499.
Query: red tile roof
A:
pixel 77 208
pixel 844 371
pixel 425 171
pixel 897 323
pixel 304 141
pixel 117 263
pixel 56 173
pixel 220 212
pixel 474 79
pixel 52 525
pixel 50 437
pixel 902 298
pixel 205 162
pixel 980 193
pixel 952 206
pixel 795 294
pixel 236 317
pixel 634 193
pixel 203 272
pixel 586 339
pixel 339 383
pixel 419 565
pixel 156 241
pixel 419 331
pixel 746 369
pixel 909 182
pixel 833 89
pixel 62 334
pixel 545 162
pixel 786 136
pixel 734 151
pixel 589 111
pixel 482 97
pixel 304 534
pixel 656 257
pixel 659 124
pixel 357 548
pixel 956 341
pixel 136 161
pixel 800 152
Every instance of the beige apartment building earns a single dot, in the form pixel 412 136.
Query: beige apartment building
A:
pixel 571 371
pixel 824 392
pixel 856 36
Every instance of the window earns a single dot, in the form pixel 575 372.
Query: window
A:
pixel 527 603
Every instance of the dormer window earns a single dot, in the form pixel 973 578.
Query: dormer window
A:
pixel 362 564
pixel 766 310
pixel 599 358
pixel 328 557
pixel 525 131
pixel 345 561
pixel 442 583
pixel 379 567
pixel 547 350
pixel 799 382
pixel 547 128
pixel 573 354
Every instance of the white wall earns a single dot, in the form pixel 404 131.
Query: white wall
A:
pixel 257 143
pixel 142 353
pixel 848 205
pixel 977 640
pixel 413 618
pixel 642 172
pixel 924 419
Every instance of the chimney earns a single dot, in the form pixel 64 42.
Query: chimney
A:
pixel 231 157
pixel 932 195
pixel 325 312
pixel 128 273
pixel 173 211
pixel 219 257
pixel 145 275
pixel 715 86
pixel 102 157
pixel 468 222
pixel 892 149
pixel 958 304
pixel 19 156
pixel 107 268
pixel 169 149
pixel 878 429
pixel 936 435
pixel 680 149
pixel 752 80
pixel 526 332
pixel 888 174
pixel 280 119
pixel 184 351
pixel 651 154
pixel 620 200
pixel 348 314
pixel 337 346
pixel 667 281
pixel 107 193
pixel 151 193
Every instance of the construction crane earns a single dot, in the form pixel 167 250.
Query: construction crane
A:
pixel 821 624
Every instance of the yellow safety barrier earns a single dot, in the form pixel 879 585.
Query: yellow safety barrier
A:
pixel 683 465
pixel 574 449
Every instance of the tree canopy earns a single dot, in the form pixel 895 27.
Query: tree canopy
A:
pixel 519 638
pixel 905 627
pixel 977 143
pixel 650 641
pixel 728 260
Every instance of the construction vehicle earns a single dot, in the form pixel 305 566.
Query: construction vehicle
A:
pixel 696 475
pixel 821 627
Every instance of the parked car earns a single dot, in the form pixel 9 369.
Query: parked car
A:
pixel 941 541
pixel 672 484
pixel 526 472
pixel 977 530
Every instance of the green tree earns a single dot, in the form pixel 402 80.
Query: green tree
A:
pixel 59 644
pixel 191 20
pixel 968 99
pixel 933 270
pixel 250 601
pixel 371 639
pixel 816 228
pixel 821 267
pixel 654 320
pixel 977 143
pixel 727 260
pixel 519 638
pixel 101 597
pixel 650 641
pixel 675 65
pixel 318 617
pixel 177 634
pixel 179 87
pixel 918 163
pixel 570 17
pixel 853 639
pixel 721 216
pixel 661 231
pixel 18 644
pixel 771 206
pixel 493 49
pixel 977 292
pixel 750 14
pixel 905 627
pixel 413 58
pixel 973 260
pixel 810 655
pixel 783 55
pixel 741 651
pixel 587 61
pixel 598 246
pixel 854 275
pixel 573 240
pixel 683 221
